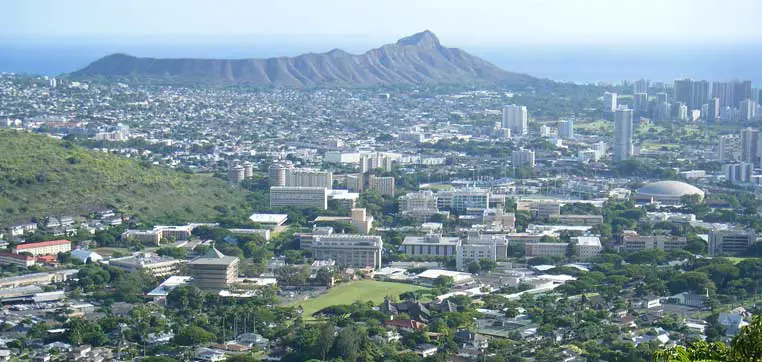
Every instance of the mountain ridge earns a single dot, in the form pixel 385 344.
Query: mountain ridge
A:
pixel 416 59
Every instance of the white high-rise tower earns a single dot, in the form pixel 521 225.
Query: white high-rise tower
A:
pixel 623 130
pixel 515 118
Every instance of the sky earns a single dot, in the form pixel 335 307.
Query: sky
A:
pixel 364 22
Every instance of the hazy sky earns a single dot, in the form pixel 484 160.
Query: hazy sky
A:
pixel 456 22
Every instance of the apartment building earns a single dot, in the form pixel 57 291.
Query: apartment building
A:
pixel 382 185
pixel 463 199
pixel 588 246
pixel 304 177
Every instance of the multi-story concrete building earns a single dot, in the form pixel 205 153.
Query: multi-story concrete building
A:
pixel 729 148
pixel 588 247
pixel 462 199
pixel 566 129
pixel 302 177
pixel 361 220
pixel 160 233
pixel 713 110
pixel 609 102
pixel 516 118
pixel 52 247
pixel 640 103
pixel 430 245
pixel 465 254
pixel 152 264
pixel 750 146
pixel 522 157
pixel 570 219
pixel 623 131
pixel 738 172
pixel 418 204
pixel 632 243
pixel 500 241
pixel 214 271
pixel 747 110
pixel 248 169
pixel 348 250
pixel 729 242
pixel 540 209
pixel 236 174
pixel 382 185
pixel 301 197
pixel 22 261
pixel 277 174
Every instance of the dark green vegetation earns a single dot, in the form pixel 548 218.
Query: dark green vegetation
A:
pixel 746 346
pixel 41 176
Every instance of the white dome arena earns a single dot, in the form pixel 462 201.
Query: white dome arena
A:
pixel 668 192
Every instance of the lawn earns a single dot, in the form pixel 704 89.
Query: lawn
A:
pixel 106 251
pixel 364 290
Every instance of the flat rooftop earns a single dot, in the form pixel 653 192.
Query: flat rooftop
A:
pixel 276 219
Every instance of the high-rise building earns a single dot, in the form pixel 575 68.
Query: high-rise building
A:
pixel 700 92
pixel 214 271
pixel 693 93
pixel 361 220
pixel 623 131
pixel 728 148
pixel 682 112
pixel 724 92
pixel 383 185
pixel 566 129
pixel 663 111
pixel 546 131
pixel 682 91
pixel 741 91
pixel 732 93
pixel 640 103
pixel 522 157
pixel 300 197
pixel 749 145
pixel 277 174
pixel 609 102
pixel 738 172
pixel 302 177
pixel 713 110
pixel 641 86
pixel 248 169
pixel 516 118
pixel 661 97
pixel 236 174
pixel 747 110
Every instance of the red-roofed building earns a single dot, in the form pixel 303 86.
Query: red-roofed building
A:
pixel 52 247
pixel 23 261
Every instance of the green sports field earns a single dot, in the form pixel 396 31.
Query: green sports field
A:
pixel 364 290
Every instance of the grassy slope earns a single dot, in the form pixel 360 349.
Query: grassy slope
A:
pixel 364 290
pixel 42 176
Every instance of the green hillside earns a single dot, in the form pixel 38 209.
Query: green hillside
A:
pixel 42 176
